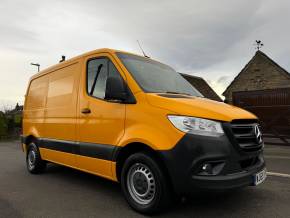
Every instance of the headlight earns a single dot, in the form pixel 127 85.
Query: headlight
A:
pixel 197 126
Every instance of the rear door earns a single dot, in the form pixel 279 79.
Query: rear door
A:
pixel 100 122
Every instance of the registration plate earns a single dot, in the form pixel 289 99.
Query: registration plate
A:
pixel 260 177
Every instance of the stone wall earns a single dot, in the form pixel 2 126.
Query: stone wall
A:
pixel 260 73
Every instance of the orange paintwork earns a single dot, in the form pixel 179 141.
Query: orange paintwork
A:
pixel 94 166
pixel 63 158
pixel 57 95
pixel 200 107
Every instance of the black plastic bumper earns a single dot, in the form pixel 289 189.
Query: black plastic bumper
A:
pixel 184 163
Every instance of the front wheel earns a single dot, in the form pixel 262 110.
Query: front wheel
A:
pixel 144 184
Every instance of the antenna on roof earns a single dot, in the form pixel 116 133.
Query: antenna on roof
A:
pixel 142 50
pixel 62 59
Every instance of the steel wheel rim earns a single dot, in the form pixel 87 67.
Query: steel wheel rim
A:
pixel 141 183
pixel 31 159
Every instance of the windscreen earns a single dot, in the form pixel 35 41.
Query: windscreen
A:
pixel 156 77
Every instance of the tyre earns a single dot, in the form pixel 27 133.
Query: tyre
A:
pixel 144 184
pixel 34 162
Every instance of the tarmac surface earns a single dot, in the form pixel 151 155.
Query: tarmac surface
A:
pixel 64 192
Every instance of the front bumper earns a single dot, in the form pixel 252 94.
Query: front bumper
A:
pixel 230 181
pixel 184 163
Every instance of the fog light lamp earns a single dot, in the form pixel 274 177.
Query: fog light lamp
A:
pixel 207 168
pixel 211 168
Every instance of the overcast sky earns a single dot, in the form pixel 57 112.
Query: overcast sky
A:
pixel 208 38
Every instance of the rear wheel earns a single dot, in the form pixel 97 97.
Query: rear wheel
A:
pixel 34 162
pixel 144 184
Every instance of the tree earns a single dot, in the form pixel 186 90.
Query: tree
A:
pixel 3 125
pixel 5 106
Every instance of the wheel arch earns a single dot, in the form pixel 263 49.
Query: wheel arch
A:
pixel 135 147
pixel 27 140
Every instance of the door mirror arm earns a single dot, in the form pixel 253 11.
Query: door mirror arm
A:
pixel 120 98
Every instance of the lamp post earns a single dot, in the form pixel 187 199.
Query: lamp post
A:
pixel 38 66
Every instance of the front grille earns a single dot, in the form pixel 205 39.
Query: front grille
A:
pixel 244 133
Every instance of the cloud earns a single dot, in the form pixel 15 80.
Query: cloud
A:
pixel 205 38
pixel 220 84
pixel 223 80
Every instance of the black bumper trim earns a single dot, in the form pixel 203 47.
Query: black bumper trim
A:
pixel 227 181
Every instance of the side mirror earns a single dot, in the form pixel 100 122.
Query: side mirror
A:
pixel 115 89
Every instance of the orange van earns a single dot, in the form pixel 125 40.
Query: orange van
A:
pixel 136 121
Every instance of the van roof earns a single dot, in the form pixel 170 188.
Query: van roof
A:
pixel 108 50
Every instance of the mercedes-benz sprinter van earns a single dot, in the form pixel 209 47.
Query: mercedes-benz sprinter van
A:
pixel 136 121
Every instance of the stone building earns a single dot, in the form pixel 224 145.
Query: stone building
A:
pixel 261 73
pixel 263 88
pixel 202 86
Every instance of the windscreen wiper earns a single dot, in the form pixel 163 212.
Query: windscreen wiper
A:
pixel 177 93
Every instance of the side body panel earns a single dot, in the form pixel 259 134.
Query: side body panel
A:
pixel 61 103
pixel 60 111
pixel 34 112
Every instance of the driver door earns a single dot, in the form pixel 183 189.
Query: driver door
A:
pixel 101 123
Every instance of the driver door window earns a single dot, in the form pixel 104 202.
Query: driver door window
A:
pixel 97 75
pixel 98 71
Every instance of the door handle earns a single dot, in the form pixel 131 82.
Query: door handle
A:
pixel 86 110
